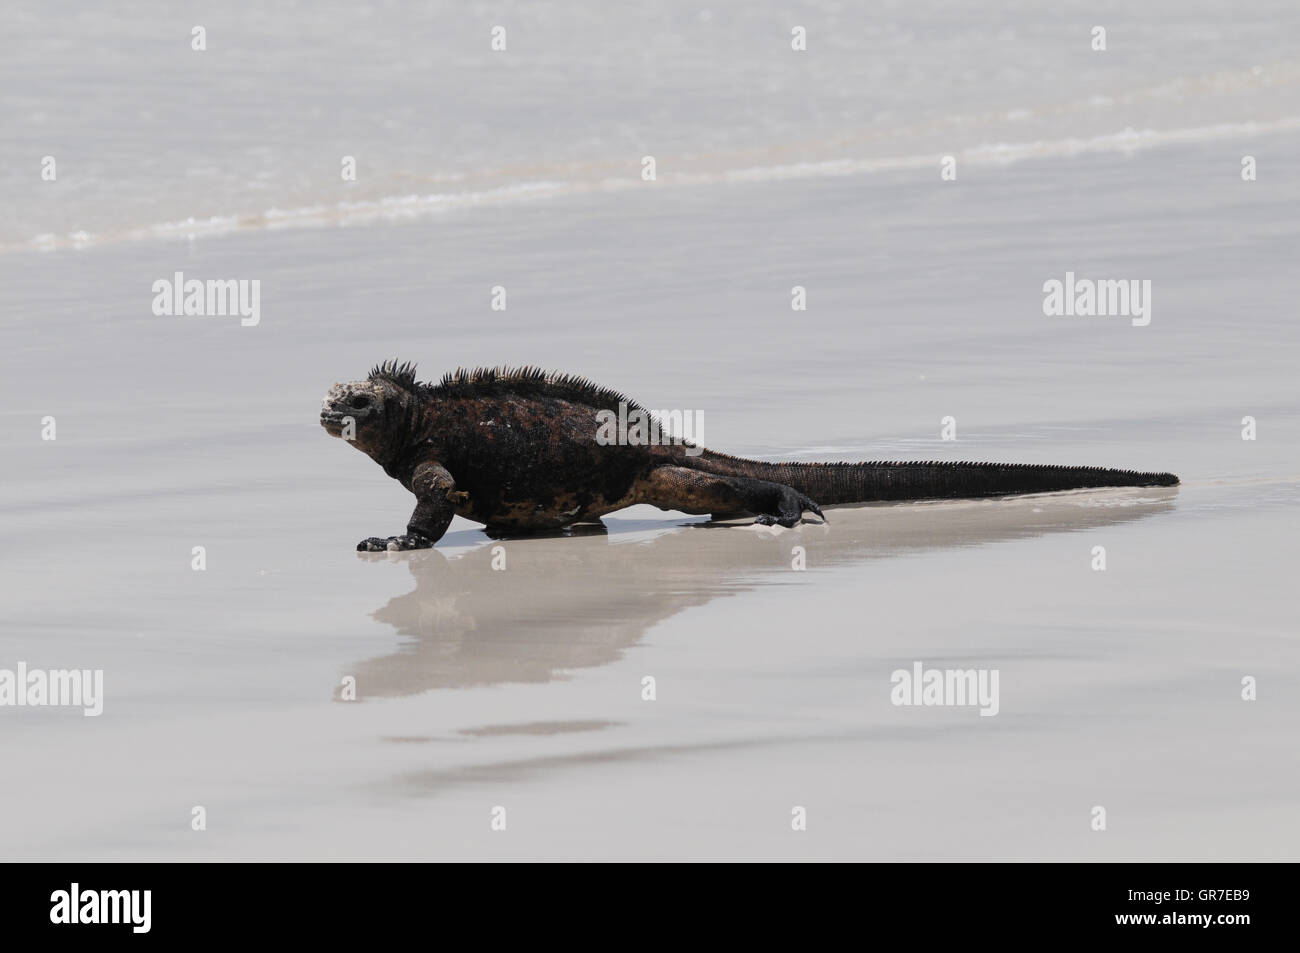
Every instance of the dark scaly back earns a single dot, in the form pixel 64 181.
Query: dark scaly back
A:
pixel 827 483
pixel 529 382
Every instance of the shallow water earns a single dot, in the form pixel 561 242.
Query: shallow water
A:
pixel 522 688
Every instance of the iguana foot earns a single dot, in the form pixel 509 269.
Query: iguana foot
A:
pixel 789 509
pixel 378 544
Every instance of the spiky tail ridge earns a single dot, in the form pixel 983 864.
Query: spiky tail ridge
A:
pixel 832 483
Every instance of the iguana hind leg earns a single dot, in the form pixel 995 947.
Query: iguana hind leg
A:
pixel 697 492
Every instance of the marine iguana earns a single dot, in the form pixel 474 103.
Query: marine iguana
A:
pixel 517 450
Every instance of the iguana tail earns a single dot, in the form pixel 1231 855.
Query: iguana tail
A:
pixel 831 483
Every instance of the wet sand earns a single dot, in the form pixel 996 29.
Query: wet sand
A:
pixel 522 688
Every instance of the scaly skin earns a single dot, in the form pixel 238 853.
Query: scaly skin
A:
pixel 517 450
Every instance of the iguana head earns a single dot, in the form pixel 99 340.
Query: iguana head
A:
pixel 374 414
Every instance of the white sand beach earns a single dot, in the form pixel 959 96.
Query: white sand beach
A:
pixel 522 688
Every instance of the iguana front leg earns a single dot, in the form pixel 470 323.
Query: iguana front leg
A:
pixel 694 491
pixel 434 490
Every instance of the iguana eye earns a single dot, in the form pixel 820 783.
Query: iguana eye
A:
pixel 360 400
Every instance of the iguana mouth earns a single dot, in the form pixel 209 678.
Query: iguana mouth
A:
pixel 332 421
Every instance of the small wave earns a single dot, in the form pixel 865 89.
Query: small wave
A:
pixel 411 206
